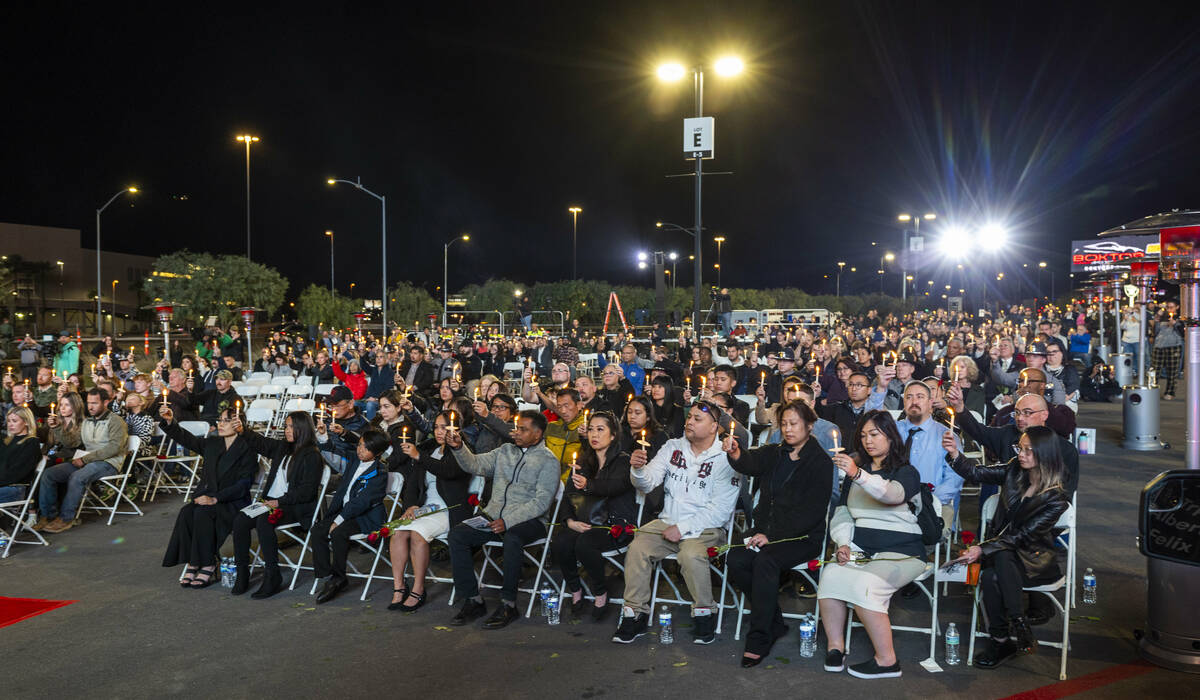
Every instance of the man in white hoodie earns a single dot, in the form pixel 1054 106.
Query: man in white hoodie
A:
pixel 700 492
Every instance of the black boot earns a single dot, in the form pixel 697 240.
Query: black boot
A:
pixel 242 584
pixel 1019 628
pixel 272 584
pixel 996 654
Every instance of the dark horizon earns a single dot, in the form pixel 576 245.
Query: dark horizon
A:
pixel 1058 121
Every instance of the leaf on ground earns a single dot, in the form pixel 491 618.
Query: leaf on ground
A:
pixel 310 609
pixel 554 655
pixel 297 605
pixel 679 663
pixel 783 659
pixel 442 628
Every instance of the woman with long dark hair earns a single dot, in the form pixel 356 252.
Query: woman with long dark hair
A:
pixel 879 547
pixel 1019 551
pixel 666 411
pixel 598 497
pixel 291 486
pixel 639 417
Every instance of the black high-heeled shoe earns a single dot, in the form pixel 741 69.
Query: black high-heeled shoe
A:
pixel 189 575
pixel 748 662
pixel 398 605
pixel 242 583
pixel 272 583
pixel 419 597
pixel 212 578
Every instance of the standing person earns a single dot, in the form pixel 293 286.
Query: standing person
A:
pixel 67 360
pixel 291 486
pixel 873 521
pixel 1022 552
pixel 31 357
pixel 1168 345
pixel 525 313
pixel 794 481
pixel 724 308
pixel 698 502
pixel 103 434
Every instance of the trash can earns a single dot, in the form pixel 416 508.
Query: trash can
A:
pixel 1140 419
pixel 1169 537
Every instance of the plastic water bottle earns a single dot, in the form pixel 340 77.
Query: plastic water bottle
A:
pixel 545 593
pixel 952 657
pixel 552 610
pixel 228 572
pixel 1089 586
pixel 808 636
pixel 3 541
pixel 666 634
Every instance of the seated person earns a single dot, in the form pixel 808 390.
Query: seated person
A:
pixel 20 453
pixel 525 480
pixel 922 437
pixel 432 480
pixel 291 486
pixel 639 424
pixel 1022 553
pixel 562 435
pixel 347 424
pixel 357 507
pixel 598 496
pixel 873 521
pixel 494 416
pixel 104 437
pixel 793 480
pixel 698 502
pixel 222 488
pixel 64 423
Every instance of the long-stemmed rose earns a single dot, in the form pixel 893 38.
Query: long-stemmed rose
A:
pixel 385 530
pixel 714 552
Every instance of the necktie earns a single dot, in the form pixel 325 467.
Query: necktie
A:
pixel 908 441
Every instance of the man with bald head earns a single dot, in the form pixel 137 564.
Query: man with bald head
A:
pixel 1059 417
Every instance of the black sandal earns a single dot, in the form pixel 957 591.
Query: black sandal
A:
pixel 398 604
pixel 212 578
pixel 419 597
pixel 189 575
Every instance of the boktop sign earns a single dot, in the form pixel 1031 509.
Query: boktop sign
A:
pixel 1114 253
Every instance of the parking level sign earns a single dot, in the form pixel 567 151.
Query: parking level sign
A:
pixel 698 137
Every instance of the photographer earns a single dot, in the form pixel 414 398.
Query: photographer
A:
pixel 723 306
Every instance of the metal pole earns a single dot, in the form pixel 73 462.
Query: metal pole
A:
pixel 331 285
pixel 1142 342
pixel 445 278
pixel 1189 297
pixel 904 261
pixel 1117 313
pixel 247 199
pixel 1103 349
pixel 698 77
pixel 99 316
pixel 574 244
pixel 383 265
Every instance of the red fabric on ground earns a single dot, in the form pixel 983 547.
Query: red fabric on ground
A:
pixel 13 610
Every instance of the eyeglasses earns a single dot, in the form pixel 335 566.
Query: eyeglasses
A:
pixel 1027 412
pixel 1021 450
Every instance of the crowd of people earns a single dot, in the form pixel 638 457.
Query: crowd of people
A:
pixel 650 451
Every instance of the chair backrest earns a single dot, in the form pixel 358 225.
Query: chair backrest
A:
pixel 271 405
pixel 283 380
pixel 306 405
pixel 517 367
pixel 395 483
pixel 522 406
pixel 248 391
pixel 305 379
pixel 750 399
pixel 32 494
pixel 259 414
pixel 978 418
pixel 198 428
pixel 132 444
pixel 324 389
pixel 304 390
pixel 270 390
pixel 260 376
pixel 325 476
pixel 896 413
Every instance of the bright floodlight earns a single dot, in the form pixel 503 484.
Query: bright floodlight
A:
pixel 642 265
pixel 889 257
pixel 954 241
pixel 673 256
pixel 728 66
pixel 905 217
pixel 994 237
pixel 330 181
pixel 517 292
pixel 642 257
pixel 132 190
pixel 466 236
pixel 670 72
pixel 930 217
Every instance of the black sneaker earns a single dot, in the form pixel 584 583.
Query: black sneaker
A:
pixel 835 661
pixel 704 629
pixel 469 612
pixel 632 626
pixel 996 654
pixel 870 670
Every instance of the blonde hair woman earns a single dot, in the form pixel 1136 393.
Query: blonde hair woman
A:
pixel 19 454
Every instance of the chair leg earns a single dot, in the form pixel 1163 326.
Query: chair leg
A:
pixel 849 627
pixel 737 630
pixel 1066 636
pixel 974 627
pixel 300 564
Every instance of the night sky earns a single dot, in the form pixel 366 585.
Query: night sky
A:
pixel 1056 119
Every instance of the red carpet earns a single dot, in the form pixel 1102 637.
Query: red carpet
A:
pixel 1081 684
pixel 13 610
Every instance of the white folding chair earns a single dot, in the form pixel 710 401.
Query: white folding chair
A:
pixel 299 404
pixel 931 593
pixel 660 574
pixel 305 380
pixel 283 380
pixel 259 417
pixel 474 488
pixel 590 363
pixel 513 373
pixel 1066 584
pixel 292 530
pixel 379 548
pixel 248 391
pixel 116 483
pixel 17 511
pixel 259 376
pixel 299 391
pixel 270 405
pixel 522 406
pixel 543 542
pixel 270 390
pixel 324 389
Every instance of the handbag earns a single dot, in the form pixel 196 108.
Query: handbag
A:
pixel 592 510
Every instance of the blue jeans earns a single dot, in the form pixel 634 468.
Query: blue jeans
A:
pixel 369 408
pixel 12 494
pixel 527 322
pixel 77 480
pixel 726 322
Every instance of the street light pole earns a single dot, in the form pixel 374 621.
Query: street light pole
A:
pixel 99 312
pixel 114 307
pixel 249 140
pixel 62 294
pixel 331 286
pixel 383 300
pixel 904 261
pixel 719 240
pixel 841 266
pixel 574 239
pixel 446 272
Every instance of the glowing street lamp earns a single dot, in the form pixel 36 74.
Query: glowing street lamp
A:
pixel 247 139
pixel 719 240
pixel 916 223
pixel 383 297
pixel 574 238
pixel 99 312
pixel 446 270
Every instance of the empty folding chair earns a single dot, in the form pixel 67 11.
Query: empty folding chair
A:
pixel 17 511
pixel 323 390
pixel 260 417
pixel 171 468
pixel 299 391
pixel 116 484
pixel 283 380
pixel 305 380
pixel 259 377
pixel 200 429
pixel 248 391
pixel 270 391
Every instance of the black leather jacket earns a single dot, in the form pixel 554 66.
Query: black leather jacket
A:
pixel 1023 525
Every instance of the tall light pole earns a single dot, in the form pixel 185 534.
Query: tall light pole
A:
pixel 674 257
pixel 331 286
pixel 446 270
pixel 670 72
pixel 248 139
pixel 904 235
pixel 719 240
pixel 62 293
pixel 574 239
pixel 99 313
pixel 841 266
pixel 887 257
pixel 383 299
pixel 114 306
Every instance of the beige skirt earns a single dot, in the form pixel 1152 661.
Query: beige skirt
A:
pixel 869 586
pixel 429 527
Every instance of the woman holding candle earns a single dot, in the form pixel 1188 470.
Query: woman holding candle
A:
pixel 432 481
pixel 668 414
pixel 391 421
pixel 65 422
pixel 964 373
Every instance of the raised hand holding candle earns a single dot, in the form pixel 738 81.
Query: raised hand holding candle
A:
pixel 643 442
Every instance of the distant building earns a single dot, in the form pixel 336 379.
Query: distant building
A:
pixel 51 282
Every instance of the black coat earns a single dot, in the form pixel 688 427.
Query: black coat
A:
pixel 19 458
pixel 225 474
pixel 842 415
pixel 452 483
pixel 365 506
pixel 794 505
pixel 422 380
pixel 303 474
pixel 1000 439
pixel 609 485
pixel 1021 525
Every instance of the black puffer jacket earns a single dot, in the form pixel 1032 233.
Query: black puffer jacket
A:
pixel 1022 525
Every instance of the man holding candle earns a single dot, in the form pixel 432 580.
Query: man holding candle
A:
pixel 923 440
pixel 346 423
pixel 562 435
pixel 104 441
pixel 845 414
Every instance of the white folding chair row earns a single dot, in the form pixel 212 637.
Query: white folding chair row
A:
pixel 18 511
pixel 117 483
pixel 304 380
pixel 292 530
pixel 1066 522
pixel 723 572
pixel 323 390
pixel 304 391
pixel 270 390
pixel 283 380
pixel 539 561
pixel 189 462
pixel 513 373
pixel 591 363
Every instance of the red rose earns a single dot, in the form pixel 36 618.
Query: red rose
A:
pixel 384 531
pixel 373 537
pixel 712 553
pixel 629 529
pixel 616 531
pixel 275 515
pixel 473 500
pixel 814 564
pixel 968 537
pixel 930 486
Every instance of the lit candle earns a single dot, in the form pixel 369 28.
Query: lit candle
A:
pixel 573 456
pixel 321 413
pixel 762 378
pixel 164 394
pixel 52 407
pixel 93 368
pixel 703 382
pixel 586 413
pixel 237 406
pixel 515 423
pixel 476 393
pixel 836 446
pixel 957 370
pixel 629 398
pixel 818 368
pixel 951 412
pixel 404 434
pixel 643 442
pixel 451 426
